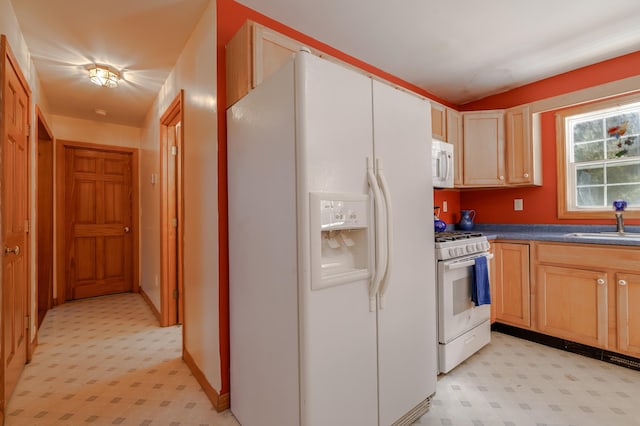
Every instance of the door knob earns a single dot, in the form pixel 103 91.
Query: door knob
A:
pixel 601 281
pixel 622 282
pixel 9 250
pixel 126 229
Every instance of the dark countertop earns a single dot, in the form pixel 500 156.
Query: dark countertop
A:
pixel 555 233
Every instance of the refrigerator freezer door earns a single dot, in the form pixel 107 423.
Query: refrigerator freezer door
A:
pixel 337 330
pixel 407 322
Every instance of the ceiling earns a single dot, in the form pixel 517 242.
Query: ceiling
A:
pixel 140 38
pixel 458 50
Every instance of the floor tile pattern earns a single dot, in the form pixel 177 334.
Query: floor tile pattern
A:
pixel 514 382
pixel 105 361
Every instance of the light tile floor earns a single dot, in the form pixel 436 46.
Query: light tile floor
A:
pixel 105 361
pixel 514 382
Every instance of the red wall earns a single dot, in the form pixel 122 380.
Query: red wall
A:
pixel 540 203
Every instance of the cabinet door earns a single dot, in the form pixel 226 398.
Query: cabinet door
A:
pixel 572 304
pixel 439 122
pixel 483 148
pixel 252 55
pixel 518 146
pixel 512 291
pixel 454 137
pixel 628 328
pixel 271 51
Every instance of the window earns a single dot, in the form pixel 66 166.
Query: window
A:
pixel 600 158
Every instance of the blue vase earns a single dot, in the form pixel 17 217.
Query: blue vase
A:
pixel 466 219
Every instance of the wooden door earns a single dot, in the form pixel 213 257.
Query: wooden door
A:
pixel 98 228
pixel 14 210
pixel 512 297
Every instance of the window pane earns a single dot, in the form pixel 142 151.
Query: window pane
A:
pixel 630 193
pixel 623 173
pixel 624 147
pixel 632 121
pixel 590 175
pixel 590 197
pixel 588 152
pixel 588 131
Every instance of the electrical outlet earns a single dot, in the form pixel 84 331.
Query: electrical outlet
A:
pixel 517 205
pixel 445 207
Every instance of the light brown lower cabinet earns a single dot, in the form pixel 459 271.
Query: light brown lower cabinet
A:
pixel 628 318
pixel 585 293
pixel 572 304
pixel 512 300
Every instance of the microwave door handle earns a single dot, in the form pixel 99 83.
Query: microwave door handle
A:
pixel 444 163
pixel 465 263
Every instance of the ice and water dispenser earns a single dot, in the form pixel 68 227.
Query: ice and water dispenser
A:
pixel 339 239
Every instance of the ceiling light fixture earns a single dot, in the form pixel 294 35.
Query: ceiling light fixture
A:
pixel 101 75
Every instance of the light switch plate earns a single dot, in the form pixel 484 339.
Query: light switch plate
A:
pixel 517 205
pixel 445 207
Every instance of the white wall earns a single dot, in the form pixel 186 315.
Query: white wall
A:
pixel 79 130
pixel 195 72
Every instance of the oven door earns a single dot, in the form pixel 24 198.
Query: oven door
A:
pixel 456 312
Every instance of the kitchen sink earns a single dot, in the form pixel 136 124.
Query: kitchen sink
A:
pixel 632 236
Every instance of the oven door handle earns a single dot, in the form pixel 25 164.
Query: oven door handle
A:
pixel 465 263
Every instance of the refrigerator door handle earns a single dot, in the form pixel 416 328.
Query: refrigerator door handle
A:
pixel 379 233
pixel 384 186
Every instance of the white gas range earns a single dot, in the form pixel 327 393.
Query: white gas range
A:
pixel 463 328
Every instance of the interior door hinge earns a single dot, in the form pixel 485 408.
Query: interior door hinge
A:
pixel 174 150
pixel 174 222
pixel 175 293
pixel 26 226
pixel 27 320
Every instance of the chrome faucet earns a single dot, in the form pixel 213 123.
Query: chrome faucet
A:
pixel 619 205
pixel 619 223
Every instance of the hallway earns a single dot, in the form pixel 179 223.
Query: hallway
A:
pixel 105 361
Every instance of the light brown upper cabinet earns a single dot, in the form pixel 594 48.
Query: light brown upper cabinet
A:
pixel 524 166
pixel 483 155
pixel 455 137
pixel 499 148
pixel 253 54
pixel 439 122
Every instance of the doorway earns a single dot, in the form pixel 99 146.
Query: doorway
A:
pixel 44 215
pixel 171 216
pixel 97 211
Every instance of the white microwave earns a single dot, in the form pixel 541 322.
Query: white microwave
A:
pixel 442 164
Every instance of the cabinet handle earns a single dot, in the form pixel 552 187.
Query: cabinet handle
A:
pixel 526 175
pixel 9 250
pixel 501 177
pixel 622 282
pixel 601 281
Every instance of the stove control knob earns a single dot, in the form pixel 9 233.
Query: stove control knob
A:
pixel 452 252
pixel 459 251
pixel 470 249
pixel 479 246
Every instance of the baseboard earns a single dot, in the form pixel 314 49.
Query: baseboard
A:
pixel 220 402
pixel 151 305
pixel 569 346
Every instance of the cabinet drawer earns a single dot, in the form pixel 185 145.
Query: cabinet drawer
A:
pixel 592 255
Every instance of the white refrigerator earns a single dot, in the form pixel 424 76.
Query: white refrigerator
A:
pixel 331 251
